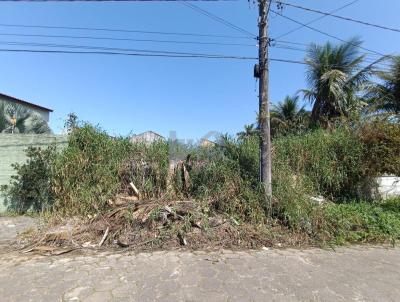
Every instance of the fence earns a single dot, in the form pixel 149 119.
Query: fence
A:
pixel 12 150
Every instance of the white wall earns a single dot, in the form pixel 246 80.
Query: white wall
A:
pixel 388 186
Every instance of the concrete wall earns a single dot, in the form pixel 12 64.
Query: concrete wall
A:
pixel 43 113
pixel 388 186
pixel 12 148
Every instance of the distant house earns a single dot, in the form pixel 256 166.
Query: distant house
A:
pixel 40 110
pixel 207 143
pixel 147 137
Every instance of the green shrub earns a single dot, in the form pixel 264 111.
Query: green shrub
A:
pixel 332 161
pixel 291 197
pixel 146 165
pixel 86 171
pixel 225 176
pixel 382 147
pixel 31 187
pixel 244 152
pixel 95 167
pixel 363 222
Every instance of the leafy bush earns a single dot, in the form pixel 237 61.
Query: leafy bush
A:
pixel 95 167
pixel 244 152
pixel 363 222
pixel 382 147
pixel 31 187
pixel 86 172
pixel 291 197
pixel 332 161
pixel 147 167
pixel 223 175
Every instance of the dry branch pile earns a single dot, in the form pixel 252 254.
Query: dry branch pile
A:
pixel 148 225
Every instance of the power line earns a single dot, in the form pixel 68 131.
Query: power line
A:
pixel 290 42
pixel 146 51
pixel 282 44
pixel 288 61
pixel 269 7
pixel 366 60
pixel 128 54
pixel 327 34
pixel 121 30
pixel 111 49
pixel 279 42
pixel 204 56
pixel 218 19
pixel 117 0
pixel 326 14
pixel 124 39
pixel 196 56
pixel 315 20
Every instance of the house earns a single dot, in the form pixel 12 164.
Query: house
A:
pixel 40 110
pixel 207 143
pixel 147 137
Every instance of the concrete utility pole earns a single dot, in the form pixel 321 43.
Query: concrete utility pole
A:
pixel 264 115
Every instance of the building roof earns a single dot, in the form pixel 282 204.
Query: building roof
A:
pixel 148 136
pixel 207 143
pixel 22 102
pixel 149 132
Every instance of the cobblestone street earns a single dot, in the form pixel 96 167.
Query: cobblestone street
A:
pixel 347 274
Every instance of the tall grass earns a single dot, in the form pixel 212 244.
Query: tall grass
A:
pixel 94 167
pixel 332 161
pixel 226 176
pixel 86 171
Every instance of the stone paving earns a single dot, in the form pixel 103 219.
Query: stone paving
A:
pixel 11 226
pixel 347 274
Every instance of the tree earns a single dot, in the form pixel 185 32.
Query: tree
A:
pixel 17 119
pixel 249 131
pixel 288 117
pixel 384 95
pixel 71 122
pixel 335 76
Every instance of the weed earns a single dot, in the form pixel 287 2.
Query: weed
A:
pixel 332 161
pixel 363 222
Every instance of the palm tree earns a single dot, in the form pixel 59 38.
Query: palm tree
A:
pixel 17 119
pixel 335 76
pixel 249 131
pixel 385 95
pixel 288 116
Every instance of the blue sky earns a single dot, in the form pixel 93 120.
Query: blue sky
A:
pixel 189 96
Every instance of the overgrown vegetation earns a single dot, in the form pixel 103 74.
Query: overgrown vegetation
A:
pixel 95 167
pixel 381 141
pixel 363 222
pixel 31 186
pixel 332 161
pixel 220 183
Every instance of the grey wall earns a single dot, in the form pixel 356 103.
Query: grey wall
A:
pixel 12 148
